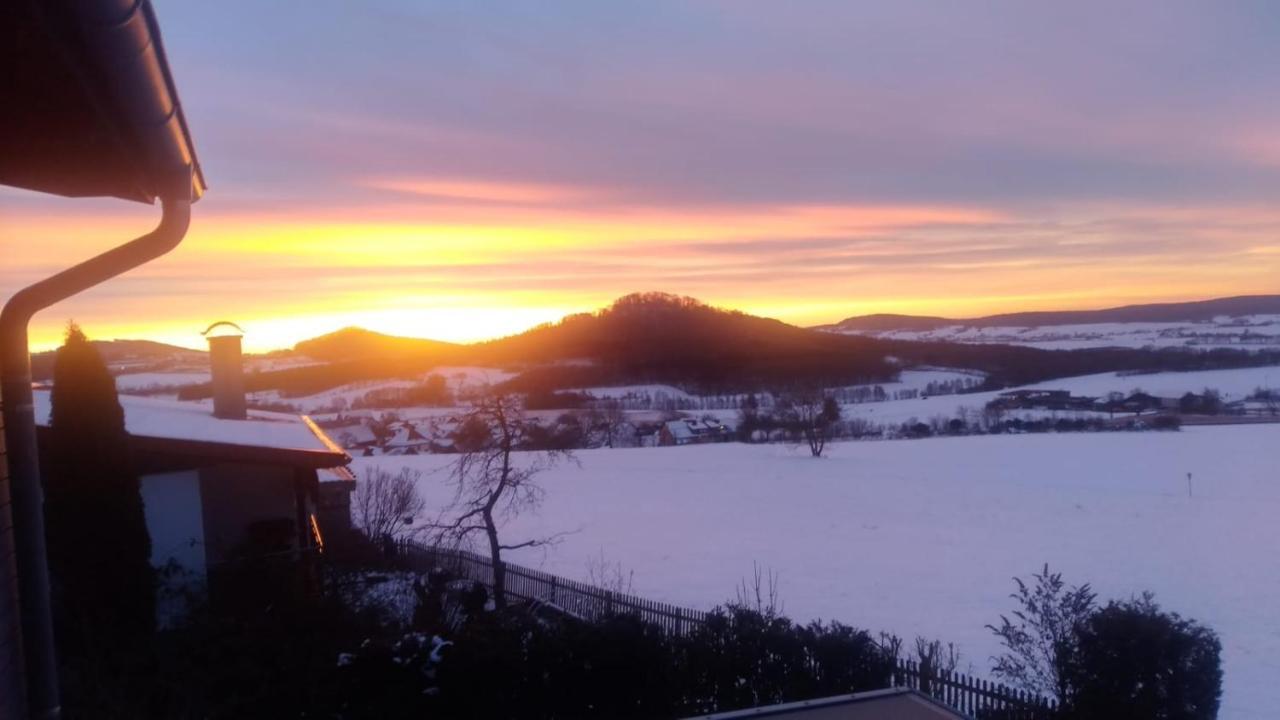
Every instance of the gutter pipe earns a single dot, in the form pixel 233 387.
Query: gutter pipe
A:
pixel 26 492
pixel 116 44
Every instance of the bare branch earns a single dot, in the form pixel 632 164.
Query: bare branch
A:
pixel 493 481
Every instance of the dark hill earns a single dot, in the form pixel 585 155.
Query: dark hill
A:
pixel 1156 312
pixel 347 356
pixel 659 338
pixel 360 344
pixel 655 337
pixel 117 353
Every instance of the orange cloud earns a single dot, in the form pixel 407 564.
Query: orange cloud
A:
pixel 461 270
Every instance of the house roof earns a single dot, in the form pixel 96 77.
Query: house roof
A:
pixel 407 435
pixel 190 428
pixel 354 434
pixel 692 427
pixel 91 108
pixel 890 704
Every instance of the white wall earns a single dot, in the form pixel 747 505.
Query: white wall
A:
pixel 175 522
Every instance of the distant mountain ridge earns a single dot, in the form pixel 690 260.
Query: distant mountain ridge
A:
pixel 662 338
pixel 355 343
pixel 658 337
pixel 119 353
pixel 1193 311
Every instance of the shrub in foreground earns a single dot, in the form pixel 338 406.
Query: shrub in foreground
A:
pixel 518 663
pixel 1125 660
pixel 1136 661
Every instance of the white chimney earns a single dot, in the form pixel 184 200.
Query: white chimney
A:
pixel 227 370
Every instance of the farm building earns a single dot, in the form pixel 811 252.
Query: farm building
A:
pixel 689 431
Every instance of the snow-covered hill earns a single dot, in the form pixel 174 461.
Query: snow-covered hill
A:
pixel 1250 332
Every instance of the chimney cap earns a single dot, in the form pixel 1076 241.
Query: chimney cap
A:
pixel 224 327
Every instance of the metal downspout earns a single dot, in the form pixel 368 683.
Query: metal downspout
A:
pixel 29 625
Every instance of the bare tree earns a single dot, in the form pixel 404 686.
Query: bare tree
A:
pixel 1268 400
pixel 492 484
pixel 939 658
pixel 891 645
pixel 810 413
pixel 609 418
pixel 762 593
pixel 386 505
pixel 609 575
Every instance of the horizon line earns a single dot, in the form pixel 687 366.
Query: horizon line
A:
pixel 195 345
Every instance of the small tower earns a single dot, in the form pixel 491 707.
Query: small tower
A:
pixel 226 370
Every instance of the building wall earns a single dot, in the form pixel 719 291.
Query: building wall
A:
pixel 333 511
pixel 235 497
pixel 175 521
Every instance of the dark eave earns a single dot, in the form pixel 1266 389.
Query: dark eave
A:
pixel 88 106
pixel 179 453
pixel 226 452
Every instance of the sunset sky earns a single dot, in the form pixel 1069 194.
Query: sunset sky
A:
pixel 462 170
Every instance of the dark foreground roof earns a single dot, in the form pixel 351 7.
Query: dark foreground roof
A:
pixel 891 704
pixel 87 103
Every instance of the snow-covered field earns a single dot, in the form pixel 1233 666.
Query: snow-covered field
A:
pixel 460 381
pixel 621 391
pixel 923 537
pixel 134 382
pixel 1232 384
pixel 1252 332
pixel 345 394
pixel 463 378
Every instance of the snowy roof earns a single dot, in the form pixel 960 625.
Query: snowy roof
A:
pixel 147 417
pixel 680 429
pixel 690 427
pixel 352 435
pixel 406 435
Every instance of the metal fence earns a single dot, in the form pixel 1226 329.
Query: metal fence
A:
pixel 973 696
pixel 978 698
pixel 577 598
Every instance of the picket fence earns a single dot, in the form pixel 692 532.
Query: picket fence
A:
pixel 972 696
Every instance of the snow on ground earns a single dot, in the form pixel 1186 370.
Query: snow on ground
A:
pixel 462 378
pixel 923 537
pixel 133 382
pixel 919 379
pixel 916 380
pixel 460 381
pixel 268 363
pixel 1233 384
pixel 620 391
pixel 1246 332
pixel 345 394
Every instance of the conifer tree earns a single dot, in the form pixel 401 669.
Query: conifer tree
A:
pixel 99 548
